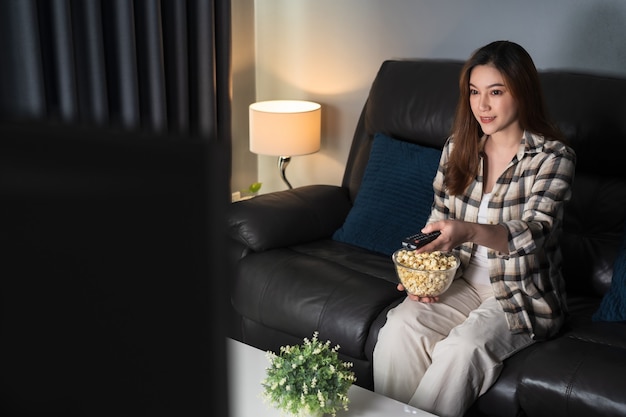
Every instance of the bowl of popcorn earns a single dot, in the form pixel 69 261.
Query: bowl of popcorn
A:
pixel 427 274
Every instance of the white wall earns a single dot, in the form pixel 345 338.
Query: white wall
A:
pixel 244 163
pixel 329 51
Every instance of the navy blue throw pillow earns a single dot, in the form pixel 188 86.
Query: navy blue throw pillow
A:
pixel 395 197
pixel 613 305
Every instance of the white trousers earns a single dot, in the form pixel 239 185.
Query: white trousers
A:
pixel 440 357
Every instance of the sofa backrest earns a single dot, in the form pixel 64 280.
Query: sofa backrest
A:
pixel 415 101
pixel 408 100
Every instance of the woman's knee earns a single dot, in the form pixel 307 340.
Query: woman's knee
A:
pixel 467 351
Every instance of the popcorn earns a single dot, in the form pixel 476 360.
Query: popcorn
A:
pixel 425 274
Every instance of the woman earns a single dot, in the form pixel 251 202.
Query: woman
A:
pixel 499 192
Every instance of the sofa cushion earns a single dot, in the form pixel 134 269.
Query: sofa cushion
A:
pixel 569 377
pixel 395 197
pixel 326 286
pixel 613 305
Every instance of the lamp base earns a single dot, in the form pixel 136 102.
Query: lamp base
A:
pixel 283 161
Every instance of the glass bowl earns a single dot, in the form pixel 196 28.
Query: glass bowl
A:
pixel 427 274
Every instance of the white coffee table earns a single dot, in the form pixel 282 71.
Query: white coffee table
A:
pixel 247 366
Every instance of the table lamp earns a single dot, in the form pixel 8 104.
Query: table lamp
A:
pixel 285 128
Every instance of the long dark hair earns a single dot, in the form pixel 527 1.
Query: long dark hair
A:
pixel 521 78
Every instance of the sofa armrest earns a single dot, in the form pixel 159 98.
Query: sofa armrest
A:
pixel 288 217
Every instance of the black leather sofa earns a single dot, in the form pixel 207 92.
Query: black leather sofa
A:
pixel 292 278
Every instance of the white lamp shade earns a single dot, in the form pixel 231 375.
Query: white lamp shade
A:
pixel 285 127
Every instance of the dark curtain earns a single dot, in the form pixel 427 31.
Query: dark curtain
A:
pixel 153 65
pixel 114 179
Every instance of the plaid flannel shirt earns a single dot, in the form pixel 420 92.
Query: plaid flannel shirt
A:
pixel 528 200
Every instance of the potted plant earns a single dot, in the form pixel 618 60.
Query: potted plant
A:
pixel 308 379
pixel 251 190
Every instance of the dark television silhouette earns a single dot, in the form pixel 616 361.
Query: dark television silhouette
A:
pixel 112 284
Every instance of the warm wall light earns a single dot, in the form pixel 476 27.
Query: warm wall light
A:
pixel 285 128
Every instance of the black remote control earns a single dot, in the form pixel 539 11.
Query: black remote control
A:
pixel 419 239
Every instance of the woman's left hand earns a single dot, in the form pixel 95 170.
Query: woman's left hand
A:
pixel 416 298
